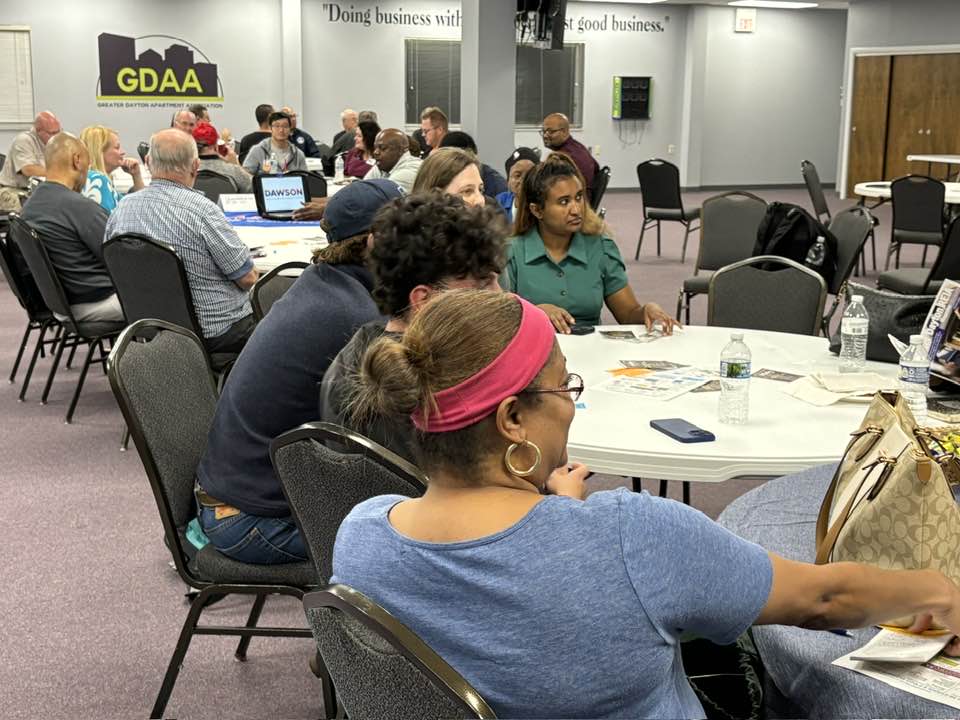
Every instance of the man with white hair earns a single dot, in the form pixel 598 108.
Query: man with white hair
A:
pixel 218 264
pixel 25 160
pixel 184 120
pixel 344 140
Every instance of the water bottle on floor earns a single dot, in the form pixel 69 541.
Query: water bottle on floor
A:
pixel 338 169
pixel 853 336
pixel 735 381
pixel 915 377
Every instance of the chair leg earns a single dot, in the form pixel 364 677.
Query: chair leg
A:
pixel 687 312
pixel 890 251
pixel 125 440
pixel 873 248
pixel 83 376
pixel 897 266
pixel 686 236
pixel 658 238
pixel 663 488
pixel 241 653
pixel 183 643
pixel 23 345
pixel 73 351
pixel 686 492
pixel 56 363
pixel 923 260
pixel 637 484
pixel 327 689
pixel 679 304
pixel 33 362
pixel 643 229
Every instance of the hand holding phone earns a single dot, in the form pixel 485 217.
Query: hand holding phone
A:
pixel 682 431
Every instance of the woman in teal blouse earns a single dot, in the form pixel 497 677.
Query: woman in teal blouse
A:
pixel 560 259
pixel 106 155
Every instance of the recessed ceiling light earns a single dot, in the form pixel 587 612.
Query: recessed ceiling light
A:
pixel 772 4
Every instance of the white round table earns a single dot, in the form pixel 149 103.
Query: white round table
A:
pixel 881 191
pixel 612 433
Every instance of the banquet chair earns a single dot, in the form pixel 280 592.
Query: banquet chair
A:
pixel 811 179
pixel 39 317
pixel 74 333
pixel 660 193
pixel 316 182
pixel 272 286
pixel 382 670
pixel 162 382
pixel 851 228
pixel 917 215
pixel 728 232
pixel 919 281
pixel 214 184
pixel 325 470
pixel 599 188
pixel 755 294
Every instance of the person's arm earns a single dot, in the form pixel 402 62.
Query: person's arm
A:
pixel 850 595
pixel 249 280
pixel 226 248
pixel 310 148
pixel 32 170
pixel 90 220
pixel 625 308
pixel 131 166
pixel 252 163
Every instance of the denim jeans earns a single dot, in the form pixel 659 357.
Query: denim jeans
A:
pixel 254 538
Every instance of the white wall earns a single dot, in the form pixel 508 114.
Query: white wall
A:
pixel 771 98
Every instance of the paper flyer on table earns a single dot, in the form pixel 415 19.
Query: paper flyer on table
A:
pixel 664 385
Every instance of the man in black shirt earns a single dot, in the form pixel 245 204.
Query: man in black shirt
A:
pixel 71 229
pixel 263 113
pixel 300 137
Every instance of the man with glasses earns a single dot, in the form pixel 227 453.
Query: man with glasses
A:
pixel 300 137
pixel 556 137
pixel 25 160
pixel 433 126
pixel 275 154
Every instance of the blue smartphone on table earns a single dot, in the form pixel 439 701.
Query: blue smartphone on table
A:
pixel 682 431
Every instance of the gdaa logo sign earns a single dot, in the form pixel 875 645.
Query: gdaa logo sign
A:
pixel 176 75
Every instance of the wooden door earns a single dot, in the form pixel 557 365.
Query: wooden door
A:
pixel 913 81
pixel 943 121
pixel 868 127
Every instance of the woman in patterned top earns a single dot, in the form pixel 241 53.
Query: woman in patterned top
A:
pixel 106 155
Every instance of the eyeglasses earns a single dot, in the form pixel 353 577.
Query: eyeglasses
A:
pixel 550 131
pixel 573 387
pixel 279 126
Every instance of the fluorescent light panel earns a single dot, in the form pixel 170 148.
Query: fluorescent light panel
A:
pixel 772 4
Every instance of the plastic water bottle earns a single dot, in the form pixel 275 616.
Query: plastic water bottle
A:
pixel 853 336
pixel 275 163
pixel 915 377
pixel 735 381
pixel 338 169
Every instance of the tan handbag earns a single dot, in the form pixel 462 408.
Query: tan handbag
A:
pixel 890 503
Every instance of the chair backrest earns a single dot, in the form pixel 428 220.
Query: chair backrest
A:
pixel 3 159
pixel 20 280
pixel 812 180
pixel 659 184
pixel 380 668
pixel 41 268
pixel 767 292
pixel 322 485
pixel 150 281
pixel 851 228
pixel 600 182
pixel 917 203
pixel 316 182
pixel 947 264
pixel 272 286
pixel 728 230
pixel 213 184
pixel 166 392
pixel 143 149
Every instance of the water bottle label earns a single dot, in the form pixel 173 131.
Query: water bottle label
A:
pixel 739 370
pixel 854 326
pixel 919 375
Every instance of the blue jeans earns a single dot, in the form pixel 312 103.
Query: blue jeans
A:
pixel 254 538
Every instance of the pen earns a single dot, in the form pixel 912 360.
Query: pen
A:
pixel 841 633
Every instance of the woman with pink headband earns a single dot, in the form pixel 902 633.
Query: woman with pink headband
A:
pixel 548 604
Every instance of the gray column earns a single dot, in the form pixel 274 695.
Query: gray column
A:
pixel 488 76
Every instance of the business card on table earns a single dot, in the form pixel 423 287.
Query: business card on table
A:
pixel 712 386
pixel 619 334
pixel 769 374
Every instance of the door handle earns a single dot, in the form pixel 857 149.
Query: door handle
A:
pixel 928 131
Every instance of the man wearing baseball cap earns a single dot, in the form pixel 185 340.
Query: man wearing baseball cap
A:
pixel 517 165
pixel 220 157
pixel 273 385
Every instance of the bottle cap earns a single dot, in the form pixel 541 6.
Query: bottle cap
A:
pixel 856 298
pixel 736 336
pixel 916 339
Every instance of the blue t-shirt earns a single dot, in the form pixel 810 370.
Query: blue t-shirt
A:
pixel 506 202
pixel 576 610
pixel 100 189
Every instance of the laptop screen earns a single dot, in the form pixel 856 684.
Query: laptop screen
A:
pixel 282 194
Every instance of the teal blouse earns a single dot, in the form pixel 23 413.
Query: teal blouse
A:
pixel 99 188
pixel 592 270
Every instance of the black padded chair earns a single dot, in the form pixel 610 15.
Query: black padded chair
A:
pixel 325 470
pixel 151 282
pixel 851 228
pixel 599 188
pixel 272 286
pixel 74 333
pixel 728 232
pixel 918 281
pixel 917 215
pixel 143 149
pixel 811 179
pixel 3 159
pixel 159 375
pixel 39 317
pixel 214 184
pixel 316 182
pixel 754 294
pixel 381 669
pixel 660 190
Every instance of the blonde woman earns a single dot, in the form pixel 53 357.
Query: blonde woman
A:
pixel 106 155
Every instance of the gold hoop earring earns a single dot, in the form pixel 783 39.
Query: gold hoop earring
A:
pixel 509 454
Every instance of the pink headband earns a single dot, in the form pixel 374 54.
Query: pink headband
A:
pixel 512 370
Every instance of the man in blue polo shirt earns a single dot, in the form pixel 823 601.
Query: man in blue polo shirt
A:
pixel 273 385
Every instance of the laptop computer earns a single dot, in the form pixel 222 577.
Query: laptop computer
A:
pixel 277 196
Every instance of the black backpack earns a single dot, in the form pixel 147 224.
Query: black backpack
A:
pixel 789 231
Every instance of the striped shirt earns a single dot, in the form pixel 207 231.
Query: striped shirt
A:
pixel 197 230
